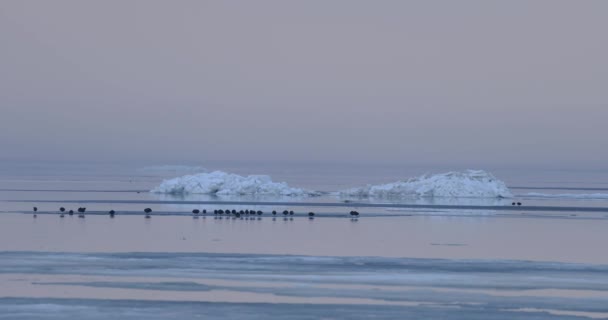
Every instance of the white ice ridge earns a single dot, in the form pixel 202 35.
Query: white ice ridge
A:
pixel 466 184
pixel 222 183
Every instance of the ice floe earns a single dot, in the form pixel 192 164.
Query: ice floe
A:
pixel 465 184
pixel 222 183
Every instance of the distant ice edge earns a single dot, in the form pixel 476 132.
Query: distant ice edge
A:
pixel 465 184
pixel 176 169
pixel 575 196
pixel 222 183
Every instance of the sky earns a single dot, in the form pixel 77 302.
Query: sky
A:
pixel 474 83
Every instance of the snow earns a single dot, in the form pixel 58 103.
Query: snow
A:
pixel 465 184
pixel 222 183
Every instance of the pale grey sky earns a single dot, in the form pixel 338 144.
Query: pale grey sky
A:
pixel 466 82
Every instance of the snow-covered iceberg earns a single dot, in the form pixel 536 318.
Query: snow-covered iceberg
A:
pixel 222 183
pixel 466 184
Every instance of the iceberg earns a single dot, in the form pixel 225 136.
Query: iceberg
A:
pixel 466 184
pixel 222 183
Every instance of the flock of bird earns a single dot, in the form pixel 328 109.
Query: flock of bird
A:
pixel 62 212
pixel 234 213
pixel 196 212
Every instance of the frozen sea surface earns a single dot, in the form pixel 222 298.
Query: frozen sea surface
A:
pixel 93 309
pixel 187 285
pixel 418 258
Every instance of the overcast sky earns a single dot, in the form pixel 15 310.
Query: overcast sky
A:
pixel 466 82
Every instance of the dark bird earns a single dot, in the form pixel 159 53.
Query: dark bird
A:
pixel 81 212
pixel 71 212
pixel 62 209
pixel 233 211
pixel 247 211
pixel 513 203
pixel 354 213
pixel 260 212
pixel 291 213
pixel 112 212
pixel 274 212
pixel 204 210
pixel 285 212
pixel 147 211
pixel 519 203
pixel 196 211
pixel 35 209
pixel 311 215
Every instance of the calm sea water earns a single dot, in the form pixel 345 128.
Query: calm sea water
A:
pixel 391 263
